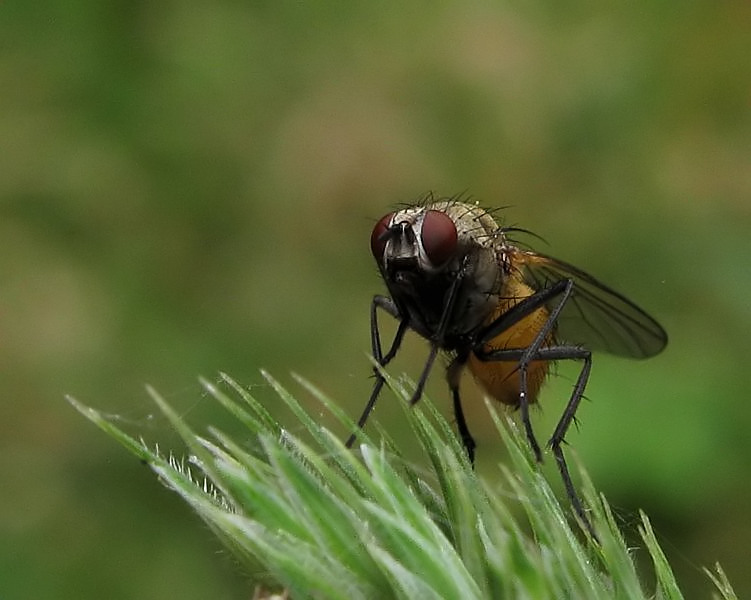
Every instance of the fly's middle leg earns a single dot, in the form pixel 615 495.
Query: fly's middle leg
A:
pixel 453 374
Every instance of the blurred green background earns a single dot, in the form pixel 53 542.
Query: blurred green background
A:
pixel 187 188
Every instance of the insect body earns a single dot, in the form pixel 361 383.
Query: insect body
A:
pixel 457 279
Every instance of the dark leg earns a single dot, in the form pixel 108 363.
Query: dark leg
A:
pixel 424 375
pixel 562 352
pixel 558 438
pixel 453 373
pixel 436 342
pixel 524 410
pixel 526 307
pixel 375 338
pixel 388 305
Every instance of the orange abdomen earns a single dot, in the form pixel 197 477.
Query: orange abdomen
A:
pixel 501 378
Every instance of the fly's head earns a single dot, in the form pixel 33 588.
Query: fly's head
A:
pixel 424 251
pixel 415 246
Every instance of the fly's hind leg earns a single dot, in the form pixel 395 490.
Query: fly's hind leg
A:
pixel 564 423
pixel 538 350
pixel 553 353
pixel 560 290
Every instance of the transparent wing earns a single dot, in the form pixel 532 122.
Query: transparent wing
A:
pixel 595 316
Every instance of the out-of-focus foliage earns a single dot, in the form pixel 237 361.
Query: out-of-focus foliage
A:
pixel 186 188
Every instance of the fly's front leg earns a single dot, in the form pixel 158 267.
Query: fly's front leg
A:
pixel 437 340
pixel 386 304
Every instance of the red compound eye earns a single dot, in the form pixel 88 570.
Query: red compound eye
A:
pixel 439 238
pixel 377 241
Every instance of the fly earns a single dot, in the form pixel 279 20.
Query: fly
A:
pixel 457 279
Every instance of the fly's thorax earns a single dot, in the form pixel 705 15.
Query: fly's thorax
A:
pixel 423 251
